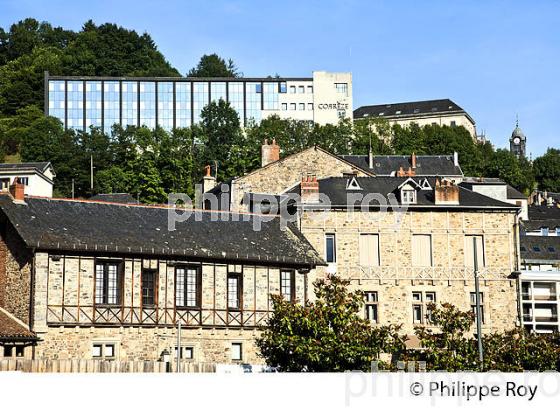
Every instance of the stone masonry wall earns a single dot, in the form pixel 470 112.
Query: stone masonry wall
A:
pixel 449 277
pixel 15 275
pixel 282 175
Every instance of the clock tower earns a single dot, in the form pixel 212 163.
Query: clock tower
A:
pixel 518 142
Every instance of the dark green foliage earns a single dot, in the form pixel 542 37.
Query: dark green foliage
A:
pixel 547 170
pixel 30 48
pixel 214 66
pixel 326 335
pixel 451 346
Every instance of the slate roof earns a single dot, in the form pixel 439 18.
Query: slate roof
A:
pixel 13 330
pixel 513 193
pixel 67 225
pixel 410 109
pixel 335 189
pixel 543 212
pixel 121 198
pixel 540 248
pixel 25 166
pixel 426 165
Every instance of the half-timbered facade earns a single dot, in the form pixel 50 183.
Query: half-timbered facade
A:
pixel 95 280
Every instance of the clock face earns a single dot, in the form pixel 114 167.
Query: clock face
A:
pixel 516 140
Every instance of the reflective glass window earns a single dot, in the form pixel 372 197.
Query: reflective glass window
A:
pixel 200 99
pixel 75 96
pixel 236 98
pixel 182 104
pixel 93 103
pixel 111 105
pixel 147 94
pixel 57 99
pixel 253 102
pixel 165 105
pixel 129 103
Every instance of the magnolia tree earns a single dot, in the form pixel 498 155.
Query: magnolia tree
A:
pixel 449 344
pixel 326 335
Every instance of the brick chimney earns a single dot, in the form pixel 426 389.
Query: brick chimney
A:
pixel 400 172
pixel 17 190
pixel 446 192
pixel 309 190
pixel 269 152
pixel 208 181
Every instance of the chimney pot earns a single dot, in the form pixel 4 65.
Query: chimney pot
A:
pixel 309 189
pixel 413 160
pixel 269 153
pixel 17 190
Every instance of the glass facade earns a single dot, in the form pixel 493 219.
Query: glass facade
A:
pixel 112 104
pixel 254 101
pixel 148 104
pixel 93 103
pixel 81 103
pixel 57 100
pixel 165 105
pixel 200 99
pixel 129 103
pixel 182 105
pixel 75 102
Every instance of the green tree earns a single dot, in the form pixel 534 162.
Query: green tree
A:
pixel 326 335
pixel 547 170
pixel 222 138
pixel 212 65
pixel 506 166
pixel 22 79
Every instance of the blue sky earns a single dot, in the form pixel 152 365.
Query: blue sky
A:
pixel 494 58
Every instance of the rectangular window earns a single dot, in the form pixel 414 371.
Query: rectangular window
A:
pixel 292 89
pixel 341 88
pixel 282 88
pixel 287 284
pixel 310 89
pixel 108 284
pixel 188 286
pixel 453 124
pixel 302 106
pixel 421 250
pixel 103 351
pixel 310 106
pixel 371 306
pixel 234 291
pixel 369 249
pixel 5 183
pixel 421 312
pixel 24 180
pixel 330 247
pixel 469 251
pixel 149 282
pixel 544 231
pixel 293 106
pixel 187 352
pixel 237 351
pixel 258 88
pixel 408 196
pixel 284 106
pixel 301 89
pixel 473 305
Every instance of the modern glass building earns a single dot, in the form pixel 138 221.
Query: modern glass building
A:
pixel 81 102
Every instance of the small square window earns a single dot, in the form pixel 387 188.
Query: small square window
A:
pixel 189 353
pixel 293 106
pixel 302 106
pixel 282 88
pixel 310 106
pixel 109 351
pixel 284 106
pixel 292 89
pixel 430 297
pixel 236 351
pixel 96 351
pixel 417 296
pixel 310 89
pixel 258 88
pixel 453 124
pixel 8 351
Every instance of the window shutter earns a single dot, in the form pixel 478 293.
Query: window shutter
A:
pixel 421 250
pixel 369 250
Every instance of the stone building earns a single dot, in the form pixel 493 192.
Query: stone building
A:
pixel 405 237
pixel 85 279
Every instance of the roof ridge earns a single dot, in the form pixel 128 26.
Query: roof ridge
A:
pixel 151 206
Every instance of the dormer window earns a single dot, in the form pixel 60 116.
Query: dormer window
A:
pixel 408 195
pixel 352 185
